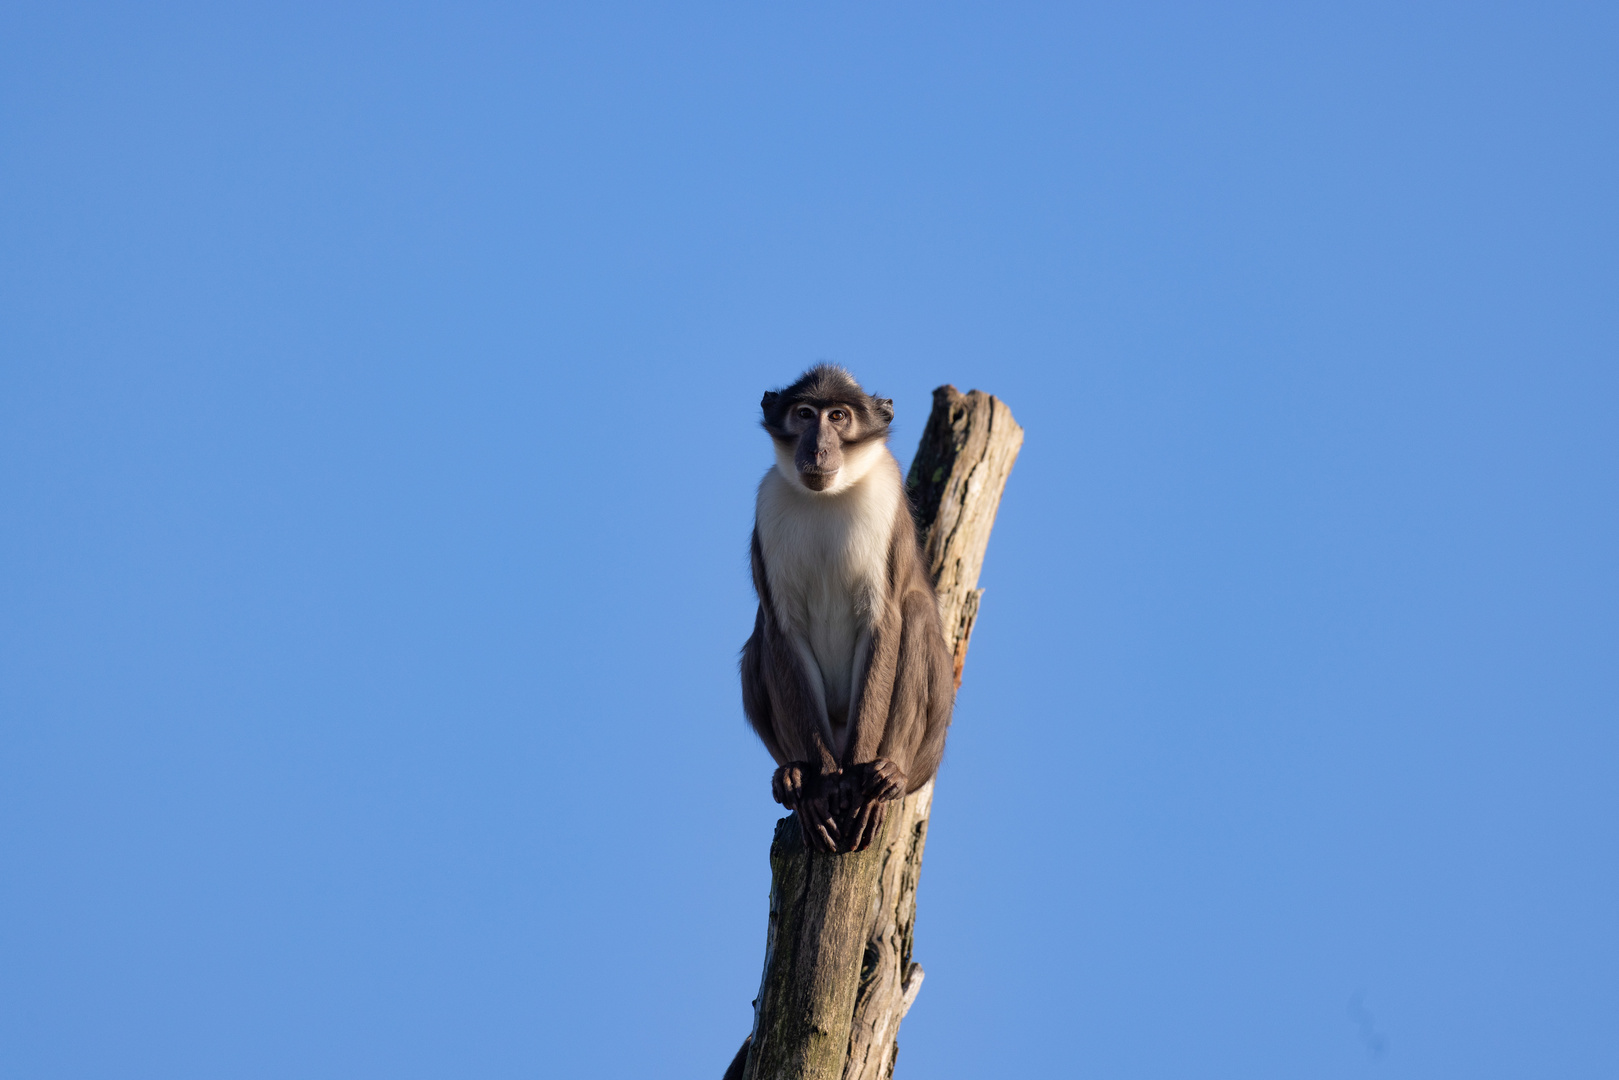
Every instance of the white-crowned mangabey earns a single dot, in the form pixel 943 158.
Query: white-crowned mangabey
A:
pixel 846 677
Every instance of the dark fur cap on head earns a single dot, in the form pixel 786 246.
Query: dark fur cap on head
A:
pixel 821 387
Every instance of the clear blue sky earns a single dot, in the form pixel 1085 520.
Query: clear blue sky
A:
pixel 378 389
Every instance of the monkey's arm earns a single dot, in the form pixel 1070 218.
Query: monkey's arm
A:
pixel 798 785
pixel 924 692
pixel 789 718
pixel 810 782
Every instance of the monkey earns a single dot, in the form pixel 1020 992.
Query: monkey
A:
pixel 846 679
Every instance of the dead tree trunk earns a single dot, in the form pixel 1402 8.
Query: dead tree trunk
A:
pixel 838 976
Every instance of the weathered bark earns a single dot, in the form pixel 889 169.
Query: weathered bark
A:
pixel 838 976
pixel 956 481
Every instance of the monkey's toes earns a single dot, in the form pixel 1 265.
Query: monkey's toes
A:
pixel 819 825
pixel 865 826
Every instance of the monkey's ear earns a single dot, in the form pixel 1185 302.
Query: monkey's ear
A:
pixel 885 409
pixel 770 398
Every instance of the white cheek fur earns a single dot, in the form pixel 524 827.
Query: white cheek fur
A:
pixel 858 462
pixel 784 464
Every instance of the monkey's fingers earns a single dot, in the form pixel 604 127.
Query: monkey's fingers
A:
pixel 884 780
pixel 787 784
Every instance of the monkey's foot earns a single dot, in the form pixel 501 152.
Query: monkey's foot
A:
pixel 819 823
pixel 855 800
pixel 842 811
pixel 817 801
pixel 860 825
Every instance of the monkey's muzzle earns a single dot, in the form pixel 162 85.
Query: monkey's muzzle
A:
pixel 817 481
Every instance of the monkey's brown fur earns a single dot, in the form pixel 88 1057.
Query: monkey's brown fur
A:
pixel 835 520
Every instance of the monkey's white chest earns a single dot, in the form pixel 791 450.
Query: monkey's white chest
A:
pixel 826 562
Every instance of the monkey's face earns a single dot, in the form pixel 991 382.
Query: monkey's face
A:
pixel 828 432
pixel 818 434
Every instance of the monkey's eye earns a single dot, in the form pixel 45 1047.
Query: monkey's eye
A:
pixel 806 414
pixel 836 416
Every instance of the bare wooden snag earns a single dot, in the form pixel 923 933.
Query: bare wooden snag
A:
pixel 838 975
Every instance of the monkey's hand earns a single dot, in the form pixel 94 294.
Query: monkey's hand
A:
pixel 881 781
pixel 788 785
